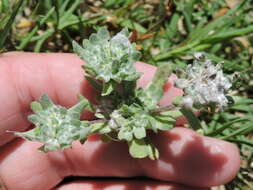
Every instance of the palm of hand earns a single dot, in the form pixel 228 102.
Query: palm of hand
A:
pixel 185 157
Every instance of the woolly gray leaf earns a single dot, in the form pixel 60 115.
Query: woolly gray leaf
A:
pixel 109 59
pixel 56 127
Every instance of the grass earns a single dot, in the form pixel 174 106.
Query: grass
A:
pixel 164 31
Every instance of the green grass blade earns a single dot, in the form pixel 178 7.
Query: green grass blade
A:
pixel 221 21
pixel 226 125
pixel 171 28
pixel 5 6
pixel 227 35
pixel 40 42
pixel 248 128
pixel 67 14
pixel 63 7
pixel 39 37
pixel 28 38
pixel 93 20
pixel 57 11
pixel 175 51
pixel 242 141
pixel 4 33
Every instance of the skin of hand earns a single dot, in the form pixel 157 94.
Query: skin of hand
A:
pixel 185 157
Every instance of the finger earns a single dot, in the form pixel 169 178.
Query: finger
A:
pixel 130 184
pixel 188 158
pixel 185 158
pixel 26 76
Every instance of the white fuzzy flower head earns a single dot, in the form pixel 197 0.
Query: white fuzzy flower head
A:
pixel 204 84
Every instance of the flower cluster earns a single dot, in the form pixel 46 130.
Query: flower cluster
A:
pixel 204 84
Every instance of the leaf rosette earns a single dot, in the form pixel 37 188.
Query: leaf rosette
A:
pixel 56 126
pixel 110 60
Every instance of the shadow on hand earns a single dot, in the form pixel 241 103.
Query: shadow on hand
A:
pixel 186 158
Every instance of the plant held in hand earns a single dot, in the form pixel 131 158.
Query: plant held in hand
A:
pixel 125 112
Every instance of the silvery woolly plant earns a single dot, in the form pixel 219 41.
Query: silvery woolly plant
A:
pixel 125 112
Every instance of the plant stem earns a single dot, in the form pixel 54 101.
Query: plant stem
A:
pixel 98 121
pixel 192 119
pixel 162 109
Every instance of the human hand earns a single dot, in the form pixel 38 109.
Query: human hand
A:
pixel 185 157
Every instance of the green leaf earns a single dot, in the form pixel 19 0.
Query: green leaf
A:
pixel 164 118
pixel 78 49
pixel 157 124
pixel 103 34
pixel 153 152
pixel 125 134
pixel 97 127
pixel 95 84
pixel 29 135
pixel 99 115
pixel 154 91
pixel 107 89
pixel 83 104
pixel 45 101
pixel 35 119
pixel 106 138
pixel 138 148
pixel 155 88
pixel 173 114
pixel 36 107
pixel 139 132
pixel 105 130
pixel 85 131
pixel 177 100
